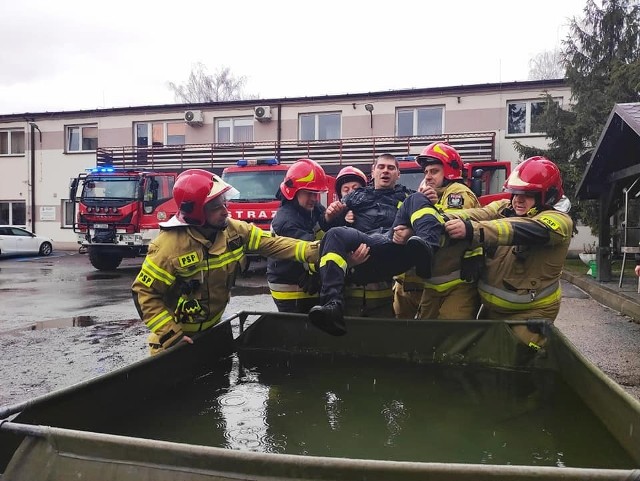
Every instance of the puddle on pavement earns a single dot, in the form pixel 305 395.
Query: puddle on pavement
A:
pixel 102 275
pixel 79 321
pixel 249 290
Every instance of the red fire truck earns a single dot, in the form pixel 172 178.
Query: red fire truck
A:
pixel 257 182
pixel 484 178
pixel 117 212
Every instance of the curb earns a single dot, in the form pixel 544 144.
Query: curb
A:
pixel 609 297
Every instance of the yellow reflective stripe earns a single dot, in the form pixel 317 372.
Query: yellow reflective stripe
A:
pixel 156 322
pixel 473 252
pixel 200 326
pixel 333 257
pixel 153 270
pixel 445 286
pixel 521 306
pixel 301 248
pixel 504 229
pixel 290 296
pixel 226 258
pixel 254 238
pixel 426 211
pixel 361 292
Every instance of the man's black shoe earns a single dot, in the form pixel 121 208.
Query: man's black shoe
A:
pixel 329 318
pixel 421 252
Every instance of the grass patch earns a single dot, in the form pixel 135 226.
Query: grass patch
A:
pixel 576 266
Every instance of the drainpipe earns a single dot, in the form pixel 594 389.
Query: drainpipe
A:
pixel 279 132
pixel 34 127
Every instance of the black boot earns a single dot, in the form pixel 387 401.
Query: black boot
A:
pixel 329 318
pixel 421 252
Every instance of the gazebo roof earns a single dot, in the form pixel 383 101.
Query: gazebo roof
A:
pixel 616 156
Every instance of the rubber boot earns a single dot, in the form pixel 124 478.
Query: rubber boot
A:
pixel 421 252
pixel 329 318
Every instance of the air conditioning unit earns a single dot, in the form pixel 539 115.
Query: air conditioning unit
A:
pixel 194 118
pixel 262 113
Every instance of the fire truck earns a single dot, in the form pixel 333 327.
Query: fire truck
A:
pixel 257 182
pixel 484 178
pixel 117 212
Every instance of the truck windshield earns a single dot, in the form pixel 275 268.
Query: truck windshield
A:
pixel 255 185
pixel 112 188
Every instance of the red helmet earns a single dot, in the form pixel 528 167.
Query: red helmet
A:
pixel 350 174
pixel 304 174
pixel 536 175
pixel 442 153
pixel 194 188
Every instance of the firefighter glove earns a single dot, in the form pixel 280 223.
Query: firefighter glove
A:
pixel 309 282
pixel 472 264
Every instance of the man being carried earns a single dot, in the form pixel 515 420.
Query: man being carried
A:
pixel 388 256
pixel 371 209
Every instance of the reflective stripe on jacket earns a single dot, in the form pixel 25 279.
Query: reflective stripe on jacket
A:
pixel 181 262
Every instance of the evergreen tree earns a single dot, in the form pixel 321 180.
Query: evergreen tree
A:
pixel 601 56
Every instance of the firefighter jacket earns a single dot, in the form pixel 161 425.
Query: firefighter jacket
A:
pixel 447 261
pixel 285 276
pixel 524 259
pixel 375 209
pixel 183 286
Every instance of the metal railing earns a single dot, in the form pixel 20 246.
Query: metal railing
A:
pixel 338 153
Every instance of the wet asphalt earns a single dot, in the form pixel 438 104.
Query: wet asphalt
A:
pixel 62 322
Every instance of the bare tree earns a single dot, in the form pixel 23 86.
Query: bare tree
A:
pixel 546 65
pixel 202 87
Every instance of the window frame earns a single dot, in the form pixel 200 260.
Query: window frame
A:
pixel 10 220
pixel 81 149
pixel 528 103
pixel 165 133
pixel 232 129
pixel 63 218
pixel 415 119
pixel 316 125
pixel 10 133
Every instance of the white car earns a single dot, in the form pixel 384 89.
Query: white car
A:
pixel 16 240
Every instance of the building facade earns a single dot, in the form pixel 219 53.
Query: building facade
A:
pixel 41 152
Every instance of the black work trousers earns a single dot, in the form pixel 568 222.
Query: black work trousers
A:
pixel 386 259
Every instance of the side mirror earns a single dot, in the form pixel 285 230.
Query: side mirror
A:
pixel 73 189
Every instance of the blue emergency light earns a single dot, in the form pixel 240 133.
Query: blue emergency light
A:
pixel 269 161
pixel 100 170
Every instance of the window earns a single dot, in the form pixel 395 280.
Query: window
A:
pixel 323 126
pixel 82 138
pixel 159 134
pixel 419 121
pixel 234 130
pixel 523 116
pixel 66 206
pixel 11 142
pixel 13 212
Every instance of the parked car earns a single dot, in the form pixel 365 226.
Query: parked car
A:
pixel 16 240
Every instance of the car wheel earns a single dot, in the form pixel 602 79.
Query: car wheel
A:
pixel 45 249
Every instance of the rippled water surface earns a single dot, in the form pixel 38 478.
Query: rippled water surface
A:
pixel 382 409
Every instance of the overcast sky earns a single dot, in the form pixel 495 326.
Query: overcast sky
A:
pixel 80 54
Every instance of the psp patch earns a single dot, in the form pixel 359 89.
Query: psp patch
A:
pixel 188 259
pixel 455 201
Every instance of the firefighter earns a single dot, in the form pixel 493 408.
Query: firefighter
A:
pixel 451 291
pixel 526 240
pixel 387 258
pixel 183 286
pixel 373 209
pixel 293 286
